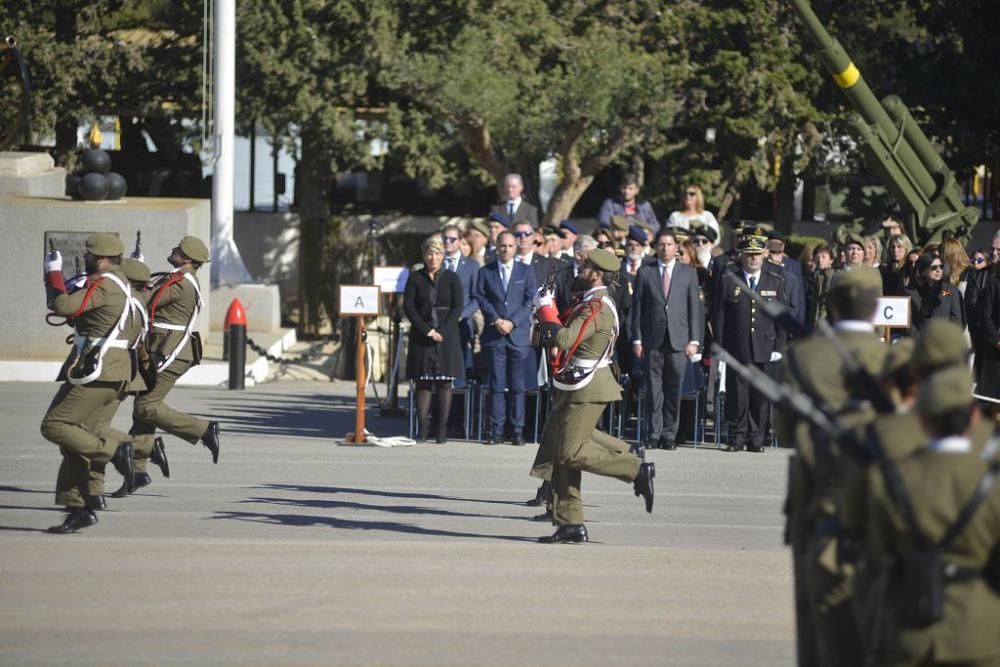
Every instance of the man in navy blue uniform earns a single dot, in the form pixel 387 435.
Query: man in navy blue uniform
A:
pixel 750 336
pixel 504 290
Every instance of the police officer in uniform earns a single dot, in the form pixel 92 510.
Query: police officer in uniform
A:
pixel 751 337
pixel 586 385
pixel 934 533
pixel 174 305
pixel 95 375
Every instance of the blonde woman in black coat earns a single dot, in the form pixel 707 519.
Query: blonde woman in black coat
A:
pixel 433 303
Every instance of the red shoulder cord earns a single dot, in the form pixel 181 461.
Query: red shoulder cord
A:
pixel 172 280
pixel 563 357
pixel 83 306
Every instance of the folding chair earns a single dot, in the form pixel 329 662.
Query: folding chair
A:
pixel 692 387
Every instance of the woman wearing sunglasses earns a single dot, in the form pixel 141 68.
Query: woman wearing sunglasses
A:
pixel 975 292
pixel 693 211
pixel 931 296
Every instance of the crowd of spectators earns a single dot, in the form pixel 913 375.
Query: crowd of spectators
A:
pixel 668 315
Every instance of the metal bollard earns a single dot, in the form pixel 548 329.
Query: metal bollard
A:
pixel 236 324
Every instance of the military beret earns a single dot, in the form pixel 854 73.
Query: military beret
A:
pixel 194 249
pixel 940 344
pixel 569 226
pixel 605 260
pixel 946 390
pixel 775 235
pixel 752 245
pixel 105 245
pixel 900 356
pixel 858 278
pixel 480 227
pixel 707 232
pixel 499 217
pixel 136 271
pixel 552 230
pixel 620 222
pixel 854 238
pixel 637 233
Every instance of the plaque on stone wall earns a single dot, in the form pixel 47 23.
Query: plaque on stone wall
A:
pixel 73 246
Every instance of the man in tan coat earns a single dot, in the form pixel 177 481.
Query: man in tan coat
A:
pixel 175 346
pixel 586 385
pixel 95 375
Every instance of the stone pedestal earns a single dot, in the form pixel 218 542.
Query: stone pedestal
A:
pixel 262 304
pixel 24 223
pixel 31 175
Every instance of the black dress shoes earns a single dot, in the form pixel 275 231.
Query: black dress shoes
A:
pixel 97 503
pixel 140 480
pixel 638 450
pixel 442 438
pixel 667 443
pixel 734 448
pixel 643 484
pixel 573 534
pixel 494 440
pixel 211 440
pixel 755 448
pixel 123 463
pixel 517 440
pixel 159 456
pixel 78 517
pixel 544 516
pixel 541 495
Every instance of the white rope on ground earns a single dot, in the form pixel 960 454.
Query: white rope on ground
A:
pixel 395 441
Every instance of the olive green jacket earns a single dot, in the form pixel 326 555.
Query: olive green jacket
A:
pixel 175 306
pixel 939 485
pixel 98 319
pixel 597 334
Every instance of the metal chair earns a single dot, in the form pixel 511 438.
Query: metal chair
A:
pixel 539 394
pixel 692 387
pixel 467 393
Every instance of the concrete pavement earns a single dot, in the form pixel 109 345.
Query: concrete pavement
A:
pixel 297 551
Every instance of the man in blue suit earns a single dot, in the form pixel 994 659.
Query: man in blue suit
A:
pixel 504 290
pixel 467 270
pixel 667 325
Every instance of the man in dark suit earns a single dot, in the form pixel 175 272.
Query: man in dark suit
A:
pixel 542 267
pixel 667 324
pixel 467 270
pixel 793 273
pixel 751 337
pixel 514 208
pixel 504 290
pixel 564 279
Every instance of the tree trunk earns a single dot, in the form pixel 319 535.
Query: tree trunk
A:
pixel 565 197
pixel 784 197
pixel 66 121
pixel 314 211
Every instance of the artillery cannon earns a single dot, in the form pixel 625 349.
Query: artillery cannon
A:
pixel 895 147
pixel 15 94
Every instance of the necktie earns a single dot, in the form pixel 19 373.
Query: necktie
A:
pixel 451 264
pixel 753 284
pixel 510 210
pixel 666 282
pixel 503 277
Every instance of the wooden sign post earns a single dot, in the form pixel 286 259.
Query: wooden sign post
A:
pixel 893 312
pixel 360 301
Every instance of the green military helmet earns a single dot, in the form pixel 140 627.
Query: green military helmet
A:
pixel 858 279
pixel 136 271
pixel 940 344
pixel 194 249
pixel 946 390
pixel 604 260
pixel 620 222
pixel 105 245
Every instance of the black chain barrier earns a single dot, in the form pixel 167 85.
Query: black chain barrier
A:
pixel 314 351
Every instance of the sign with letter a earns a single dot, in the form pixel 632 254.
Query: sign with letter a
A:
pixel 359 300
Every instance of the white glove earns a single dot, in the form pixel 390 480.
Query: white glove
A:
pixel 53 262
pixel 542 298
pixel 696 357
pixel 775 356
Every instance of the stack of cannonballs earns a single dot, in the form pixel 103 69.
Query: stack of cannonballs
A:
pixel 96 182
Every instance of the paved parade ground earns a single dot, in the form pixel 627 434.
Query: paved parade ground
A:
pixel 297 551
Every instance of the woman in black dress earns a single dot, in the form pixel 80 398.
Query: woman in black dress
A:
pixel 931 296
pixel 433 303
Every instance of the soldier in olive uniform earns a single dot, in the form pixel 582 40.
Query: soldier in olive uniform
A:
pixel 826 630
pixel 174 347
pixel 934 533
pixel 586 385
pixel 95 375
pixel 138 275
